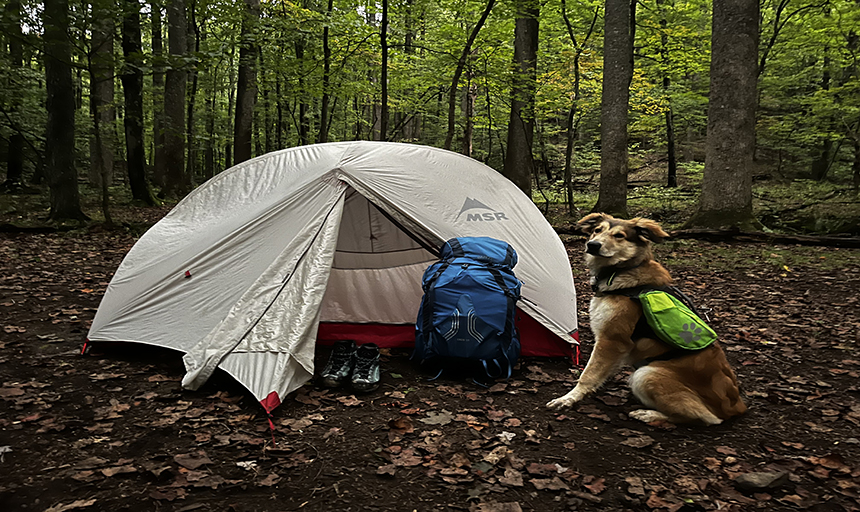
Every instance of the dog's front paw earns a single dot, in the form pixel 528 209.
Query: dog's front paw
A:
pixel 567 400
pixel 560 403
pixel 647 415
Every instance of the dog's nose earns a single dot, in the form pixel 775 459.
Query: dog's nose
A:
pixel 593 247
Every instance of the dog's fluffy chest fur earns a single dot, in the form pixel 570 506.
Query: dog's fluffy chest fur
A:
pixel 600 313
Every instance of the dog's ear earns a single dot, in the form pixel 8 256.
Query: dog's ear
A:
pixel 590 221
pixel 648 230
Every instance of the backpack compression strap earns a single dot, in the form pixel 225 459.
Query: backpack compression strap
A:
pixel 430 297
pixel 509 317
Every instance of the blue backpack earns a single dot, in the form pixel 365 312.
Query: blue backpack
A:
pixel 466 319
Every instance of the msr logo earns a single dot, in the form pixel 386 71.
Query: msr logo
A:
pixel 474 204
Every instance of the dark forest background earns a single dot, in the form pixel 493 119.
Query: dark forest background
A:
pixel 699 112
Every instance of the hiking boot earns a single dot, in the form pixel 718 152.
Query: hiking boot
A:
pixel 365 374
pixel 339 365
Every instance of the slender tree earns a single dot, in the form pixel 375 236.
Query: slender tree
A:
pixel 326 81
pixel 383 100
pixel 101 68
pixel 572 121
pixel 458 72
pixel 132 86
pixel 519 162
pixel 194 49
pixel 159 163
pixel 174 100
pixel 726 198
pixel 15 153
pixel 61 173
pixel 672 175
pixel 246 89
pixel 617 73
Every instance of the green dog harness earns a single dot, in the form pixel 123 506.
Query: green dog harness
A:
pixel 670 314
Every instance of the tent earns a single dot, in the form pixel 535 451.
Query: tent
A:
pixel 318 243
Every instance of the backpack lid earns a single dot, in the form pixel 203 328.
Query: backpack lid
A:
pixel 481 249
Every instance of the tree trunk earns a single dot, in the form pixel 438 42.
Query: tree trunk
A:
pixel 132 86
pixel 672 174
pixel 322 136
pixel 246 93
pixel 193 46
pixel 519 162
pixel 159 173
pixel 231 91
pixel 209 155
pixel 303 122
pixel 470 94
pixel 15 154
pixel 617 73
pixel 101 94
pixel 821 164
pixel 458 71
pixel 726 198
pixel 570 150
pixel 383 97
pixel 61 174
pixel 174 99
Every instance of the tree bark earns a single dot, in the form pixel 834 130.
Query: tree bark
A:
pixel 571 133
pixel 383 79
pixel 458 71
pixel 15 154
pixel 617 73
pixel 101 94
pixel 519 162
pixel 61 174
pixel 174 99
pixel 159 166
pixel 322 136
pixel 672 174
pixel 193 46
pixel 132 86
pixel 726 198
pixel 246 92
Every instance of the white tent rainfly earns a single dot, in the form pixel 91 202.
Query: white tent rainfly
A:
pixel 324 242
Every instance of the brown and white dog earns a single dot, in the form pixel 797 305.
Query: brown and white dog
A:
pixel 694 387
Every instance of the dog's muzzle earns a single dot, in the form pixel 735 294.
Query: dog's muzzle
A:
pixel 593 248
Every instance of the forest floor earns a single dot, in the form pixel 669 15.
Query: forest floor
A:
pixel 113 430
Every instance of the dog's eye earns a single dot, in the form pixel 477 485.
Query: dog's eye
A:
pixel 619 235
pixel 598 230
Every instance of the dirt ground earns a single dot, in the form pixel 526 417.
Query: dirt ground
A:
pixel 113 430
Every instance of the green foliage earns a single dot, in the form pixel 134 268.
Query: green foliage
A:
pixel 809 90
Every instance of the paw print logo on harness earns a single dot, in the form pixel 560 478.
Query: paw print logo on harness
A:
pixel 690 333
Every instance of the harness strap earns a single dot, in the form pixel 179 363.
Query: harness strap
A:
pixel 674 353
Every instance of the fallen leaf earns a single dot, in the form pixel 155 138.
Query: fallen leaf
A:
pixel 349 401
pixel 512 478
pixel 270 480
pixel 492 506
pixel 192 460
pixel 402 424
pixel 118 470
pixel 438 418
pixel 552 484
pixel 638 442
pixel 72 506
pixel 386 470
pixel 596 487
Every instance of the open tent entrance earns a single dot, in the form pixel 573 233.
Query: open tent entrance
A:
pixel 374 289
